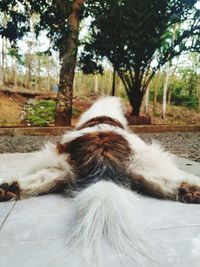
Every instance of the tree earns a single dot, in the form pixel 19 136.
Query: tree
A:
pixel 134 34
pixel 68 54
pixel 1 61
pixel 60 20
pixel 14 55
pixel 113 83
pixel 165 87
pixel 146 103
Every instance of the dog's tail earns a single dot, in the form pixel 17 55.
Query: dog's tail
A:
pixel 105 211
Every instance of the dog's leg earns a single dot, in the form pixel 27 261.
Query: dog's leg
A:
pixel 153 172
pixel 185 189
pixel 42 182
pixel 49 171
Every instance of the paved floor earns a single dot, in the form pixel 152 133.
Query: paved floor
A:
pixel 33 232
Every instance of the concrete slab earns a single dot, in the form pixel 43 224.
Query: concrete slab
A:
pixel 14 164
pixel 31 219
pixel 188 165
pixel 5 210
pixel 33 232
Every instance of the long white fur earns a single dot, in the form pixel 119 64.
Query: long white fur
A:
pixel 40 176
pixel 48 157
pixel 105 106
pixel 105 211
pixel 149 160
pixel 158 167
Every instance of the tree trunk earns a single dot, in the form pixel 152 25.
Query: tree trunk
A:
pixel 120 89
pixel 169 96
pixel 15 72
pixel 166 82
pixel 198 91
pixel 37 75
pixel 1 61
pixel 5 61
pixel 146 103
pixel 135 99
pixel 155 93
pixel 136 94
pixel 137 102
pixel 74 84
pixel 135 86
pixel 28 79
pixel 113 82
pixel 96 84
pixel 68 64
pixel 108 86
pixel 48 76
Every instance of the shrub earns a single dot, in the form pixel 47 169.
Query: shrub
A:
pixel 184 100
pixel 40 112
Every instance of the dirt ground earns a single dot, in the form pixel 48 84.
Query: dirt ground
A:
pixel 12 114
pixel 11 109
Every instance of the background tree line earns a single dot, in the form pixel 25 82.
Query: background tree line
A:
pixel 138 38
pixel 35 71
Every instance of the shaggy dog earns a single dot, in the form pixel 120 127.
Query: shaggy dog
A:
pixel 101 165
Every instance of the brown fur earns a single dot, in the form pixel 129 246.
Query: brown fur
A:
pixel 140 184
pixel 87 151
pixel 98 144
pixel 101 120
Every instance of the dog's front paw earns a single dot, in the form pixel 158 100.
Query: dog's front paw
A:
pixel 189 193
pixel 9 191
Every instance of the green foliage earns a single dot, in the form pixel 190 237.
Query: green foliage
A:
pixel 182 88
pixel 184 100
pixel 48 15
pixel 40 113
pixel 184 94
pixel 13 52
pixel 51 17
pixel 157 113
pixel 131 34
pixel 76 112
pixel 59 20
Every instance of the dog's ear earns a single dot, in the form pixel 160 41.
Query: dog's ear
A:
pixel 62 148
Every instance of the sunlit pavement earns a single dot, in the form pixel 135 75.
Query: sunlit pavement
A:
pixel 33 232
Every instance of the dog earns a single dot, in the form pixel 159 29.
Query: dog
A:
pixel 102 166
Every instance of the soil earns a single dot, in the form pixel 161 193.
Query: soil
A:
pixel 12 114
pixel 11 109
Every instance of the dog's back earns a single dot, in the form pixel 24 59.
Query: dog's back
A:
pixel 98 156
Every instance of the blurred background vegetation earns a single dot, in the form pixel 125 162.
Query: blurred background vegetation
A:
pixel 39 73
pixel 31 59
